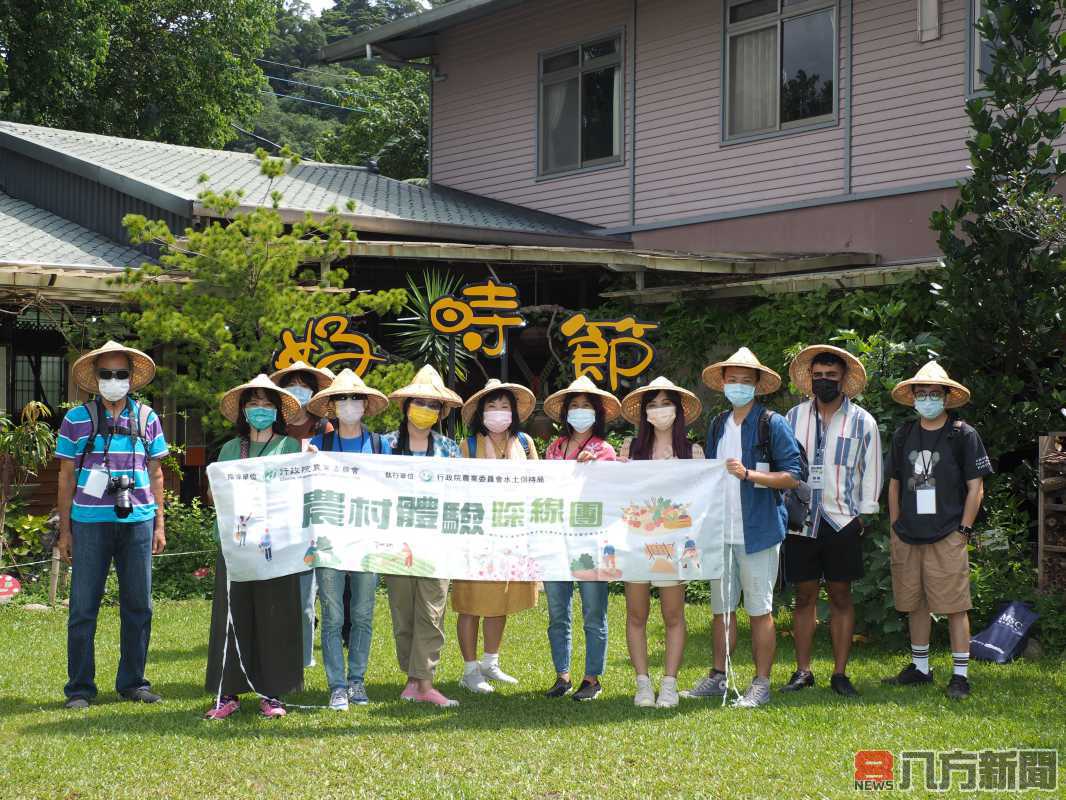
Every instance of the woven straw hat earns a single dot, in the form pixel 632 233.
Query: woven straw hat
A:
pixel 800 370
pixel 142 368
pixel 321 405
pixel 553 404
pixel 932 374
pixel 525 400
pixel 427 385
pixel 631 403
pixel 290 406
pixel 768 383
pixel 323 377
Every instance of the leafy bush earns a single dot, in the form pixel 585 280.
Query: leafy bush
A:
pixel 190 528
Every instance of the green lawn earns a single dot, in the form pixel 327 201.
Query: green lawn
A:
pixel 513 744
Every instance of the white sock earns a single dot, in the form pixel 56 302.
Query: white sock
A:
pixel 470 667
pixel 669 681
pixel 643 679
pixel 960 663
pixel 920 657
pixel 490 659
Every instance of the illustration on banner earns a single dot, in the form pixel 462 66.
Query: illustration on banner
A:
pixel 658 513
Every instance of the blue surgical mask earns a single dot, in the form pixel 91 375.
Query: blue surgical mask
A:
pixel 930 407
pixel 260 418
pixel 581 419
pixel 301 393
pixel 739 394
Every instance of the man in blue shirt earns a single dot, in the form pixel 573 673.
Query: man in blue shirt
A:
pixel 763 459
pixel 110 508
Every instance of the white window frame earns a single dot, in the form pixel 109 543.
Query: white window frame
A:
pixel 617 60
pixel 975 84
pixel 775 20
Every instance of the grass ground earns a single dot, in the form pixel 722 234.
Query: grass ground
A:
pixel 512 744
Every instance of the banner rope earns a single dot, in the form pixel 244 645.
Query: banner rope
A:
pixel 49 560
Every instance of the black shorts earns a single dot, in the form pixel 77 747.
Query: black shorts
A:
pixel 832 555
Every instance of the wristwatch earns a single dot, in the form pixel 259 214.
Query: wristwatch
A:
pixel 966 530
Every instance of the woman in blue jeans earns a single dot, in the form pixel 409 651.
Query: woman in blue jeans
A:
pixel 346 401
pixel 583 410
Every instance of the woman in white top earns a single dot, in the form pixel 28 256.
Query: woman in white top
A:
pixel 661 412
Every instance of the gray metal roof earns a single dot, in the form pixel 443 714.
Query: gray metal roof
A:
pixel 168 175
pixel 412 37
pixel 33 236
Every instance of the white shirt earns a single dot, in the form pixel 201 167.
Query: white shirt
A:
pixel 851 455
pixel 730 447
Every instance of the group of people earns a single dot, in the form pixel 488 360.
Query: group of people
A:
pixel 826 450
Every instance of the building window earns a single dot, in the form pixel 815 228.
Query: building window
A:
pixel 581 106
pixel 780 65
pixel 39 377
pixel 980 50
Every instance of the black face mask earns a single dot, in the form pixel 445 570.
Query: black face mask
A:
pixel 825 389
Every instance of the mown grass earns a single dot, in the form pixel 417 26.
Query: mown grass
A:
pixel 512 744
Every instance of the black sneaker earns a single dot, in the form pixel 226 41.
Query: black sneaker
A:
pixel 958 687
pixel 841 684
pixel 142 694
pixel 560 688
pixel 910 675
pixel 587 691
pixel 801 679
pixel 77 703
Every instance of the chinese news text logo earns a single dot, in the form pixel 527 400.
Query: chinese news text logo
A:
pixel 966 770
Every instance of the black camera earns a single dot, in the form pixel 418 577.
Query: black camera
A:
pixel 120 486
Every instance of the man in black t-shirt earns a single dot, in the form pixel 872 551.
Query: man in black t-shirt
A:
pixel 936 467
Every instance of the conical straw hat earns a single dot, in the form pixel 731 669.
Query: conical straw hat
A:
pixel 142 368
pixel 525 400
pixel 932 374
pixel 769 381
pixel 322 377
pixel 800 370
pixel 290 406
pixel 553 404
pixel 631 403
pixel 347 382
pixel 427 385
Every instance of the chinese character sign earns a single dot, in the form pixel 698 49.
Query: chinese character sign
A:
pixel 481 313
pixel 470 518
pixel 608 350
pixel 327 342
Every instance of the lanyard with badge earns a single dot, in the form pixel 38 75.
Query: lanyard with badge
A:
pixel 99 480
pixel 816 470
pixel 924 486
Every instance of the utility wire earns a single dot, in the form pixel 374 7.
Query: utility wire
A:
pixel 275 145
pixel 323 88
pixel 314 102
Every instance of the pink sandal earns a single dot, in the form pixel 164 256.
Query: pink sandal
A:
pixel 436 698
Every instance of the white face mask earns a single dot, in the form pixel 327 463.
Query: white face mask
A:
pixel 497 421
pixel 114 390
pixel 350 411
pixel 662 417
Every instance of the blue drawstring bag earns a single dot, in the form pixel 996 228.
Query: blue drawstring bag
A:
pixel 1004 640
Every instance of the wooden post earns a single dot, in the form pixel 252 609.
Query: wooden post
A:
pixel 53 581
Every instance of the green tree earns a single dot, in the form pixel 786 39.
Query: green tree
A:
pixel 349 17
pixel 1001 299
pixel 219 298
pixel 150 69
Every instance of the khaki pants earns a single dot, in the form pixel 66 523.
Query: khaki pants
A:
pixel 417 606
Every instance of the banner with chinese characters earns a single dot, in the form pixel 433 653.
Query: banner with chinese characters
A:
pixel 478 519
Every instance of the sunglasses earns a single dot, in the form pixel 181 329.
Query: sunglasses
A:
pixel 116 374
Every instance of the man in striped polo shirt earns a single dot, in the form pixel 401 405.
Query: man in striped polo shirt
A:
pixel 843 449
pixel 110 508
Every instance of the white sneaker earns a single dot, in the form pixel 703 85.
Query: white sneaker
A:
pixel 667 694
pixel 492 672
pixel 338 699
pixel 472 681
pixel 645 696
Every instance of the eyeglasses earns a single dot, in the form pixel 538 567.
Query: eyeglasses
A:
pixel 928 395
pixel 109 374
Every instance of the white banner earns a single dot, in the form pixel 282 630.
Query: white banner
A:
pixel 478 519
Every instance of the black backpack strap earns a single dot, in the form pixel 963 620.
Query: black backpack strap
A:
pixel 375 443
pixel 899 441
pixel 327 441
pixel 764 442
pixel 139 428
pixel 955 437
pixel 95 411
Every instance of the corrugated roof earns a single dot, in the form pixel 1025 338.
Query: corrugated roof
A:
pixel 168 176
pixel 31 235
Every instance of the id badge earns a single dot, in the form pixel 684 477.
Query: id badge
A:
pixel 762 466
pixel 926 501
pixel 815 475
pixel 96 483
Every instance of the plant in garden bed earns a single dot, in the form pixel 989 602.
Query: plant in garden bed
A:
pixel 25 448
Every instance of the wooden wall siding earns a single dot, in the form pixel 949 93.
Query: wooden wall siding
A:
pixel 909 123
pixel 683 169
pixel 485 112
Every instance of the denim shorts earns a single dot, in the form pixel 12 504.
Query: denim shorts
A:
pixel 753 574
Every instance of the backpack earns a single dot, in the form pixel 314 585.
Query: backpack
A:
pixel 798 500
pixel 328 436
pixel 137 430
pixel 471 444
pixel 903 432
